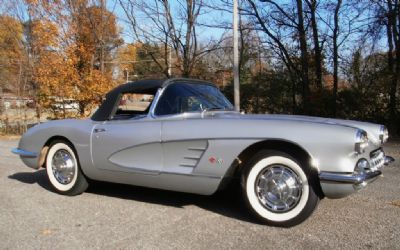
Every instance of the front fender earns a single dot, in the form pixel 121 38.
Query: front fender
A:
pixel 78 132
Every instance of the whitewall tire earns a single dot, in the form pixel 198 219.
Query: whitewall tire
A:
pixel 63 171
pixel 278 189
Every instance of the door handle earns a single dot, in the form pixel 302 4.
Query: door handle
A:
pixel 99 130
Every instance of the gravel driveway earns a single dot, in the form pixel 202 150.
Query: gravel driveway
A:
pixel 120 217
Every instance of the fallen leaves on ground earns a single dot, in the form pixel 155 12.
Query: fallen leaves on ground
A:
pixel 395 203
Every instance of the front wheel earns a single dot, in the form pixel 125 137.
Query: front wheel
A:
pixel 279 190
pixel 62 167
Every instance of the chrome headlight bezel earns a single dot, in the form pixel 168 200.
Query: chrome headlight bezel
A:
pixel 362 167
pixel 361 141
pixel 383 134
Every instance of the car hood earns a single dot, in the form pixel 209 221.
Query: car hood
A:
pixel 373 130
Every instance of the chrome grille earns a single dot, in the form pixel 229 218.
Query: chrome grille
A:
pixel 377 160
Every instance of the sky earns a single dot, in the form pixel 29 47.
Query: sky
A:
pixel 211 17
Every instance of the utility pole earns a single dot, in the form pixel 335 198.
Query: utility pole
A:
pixel 236 56
pixel 169 61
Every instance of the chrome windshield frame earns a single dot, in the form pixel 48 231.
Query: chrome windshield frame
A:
pixel 183 115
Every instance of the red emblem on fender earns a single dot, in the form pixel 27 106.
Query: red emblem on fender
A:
pixel 212 160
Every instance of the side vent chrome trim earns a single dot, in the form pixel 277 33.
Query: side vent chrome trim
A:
pixel 197 149
pixel 194 154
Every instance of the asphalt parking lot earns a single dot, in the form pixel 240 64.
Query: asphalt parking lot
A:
pixel 111 216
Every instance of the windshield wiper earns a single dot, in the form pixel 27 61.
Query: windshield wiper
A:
pixel 215 109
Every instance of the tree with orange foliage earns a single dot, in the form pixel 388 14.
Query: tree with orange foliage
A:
pixel 72 41
pixel 11 53
pixel 127 55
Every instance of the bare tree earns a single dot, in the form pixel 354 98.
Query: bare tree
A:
pixel 176 29
pixel 393 37
pixel 312 5
pixel 303 55
pixel 281 22
pixel 388 16
pixel 346 32
pixel 335 54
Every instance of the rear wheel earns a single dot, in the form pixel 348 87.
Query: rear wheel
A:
pixel 278 189
pixel 63 171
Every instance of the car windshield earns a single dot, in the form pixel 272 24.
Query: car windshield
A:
pixel 187 97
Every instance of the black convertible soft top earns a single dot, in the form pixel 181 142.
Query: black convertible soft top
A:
pixel 149 86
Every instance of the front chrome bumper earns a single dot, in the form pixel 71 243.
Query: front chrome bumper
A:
pixel 29 158
pixel 337 185
pixel 356 178
pixel 24 153
pixel 348 178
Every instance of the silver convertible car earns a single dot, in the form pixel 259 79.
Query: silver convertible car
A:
pixel 184 135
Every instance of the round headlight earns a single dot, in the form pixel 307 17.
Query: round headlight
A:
pixel 361 167
pixel 383 134
pixel 361 141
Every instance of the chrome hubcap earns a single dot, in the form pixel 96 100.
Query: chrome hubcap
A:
pixel 278 188
pixel 63 166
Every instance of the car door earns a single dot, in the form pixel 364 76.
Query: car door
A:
pixel 182 148
pixel 129 141
pixel 128 146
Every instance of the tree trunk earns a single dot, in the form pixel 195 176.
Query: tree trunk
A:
pixel 190 5
pixel 242 47
pixel 317 47
pixel 393 76
pixel 82 107
pixel 394 85
pixel 336 56
pixel 304 57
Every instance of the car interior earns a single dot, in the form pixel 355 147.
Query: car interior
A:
pixel 132 105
